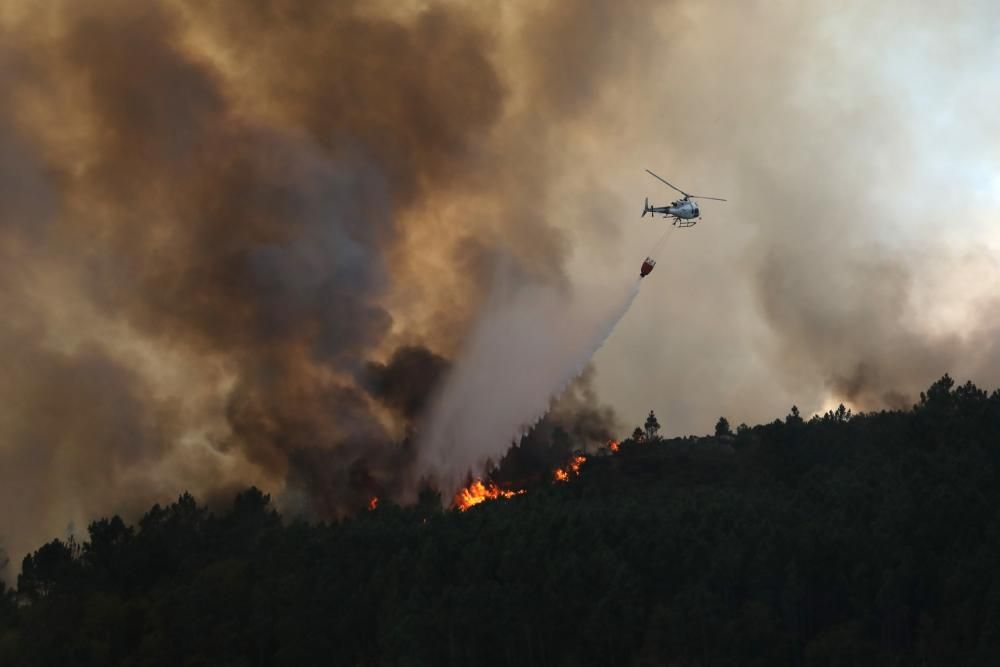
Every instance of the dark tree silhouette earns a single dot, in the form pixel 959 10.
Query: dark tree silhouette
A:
pixel 50 568
pixel 793 416
pixel 722 428
pixel 865 539
pixel 652 426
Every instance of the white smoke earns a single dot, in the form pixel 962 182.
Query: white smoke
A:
pixel 523 352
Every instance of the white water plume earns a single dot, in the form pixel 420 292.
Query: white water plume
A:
pixel 523 352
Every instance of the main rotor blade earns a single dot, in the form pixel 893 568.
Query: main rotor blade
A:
pixel 704 197
pixel 667 182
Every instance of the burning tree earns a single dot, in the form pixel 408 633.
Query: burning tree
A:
pixel 571 469
pixel 477 492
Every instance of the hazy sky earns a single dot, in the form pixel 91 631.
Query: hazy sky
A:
pixel 856 256
pixel 240 241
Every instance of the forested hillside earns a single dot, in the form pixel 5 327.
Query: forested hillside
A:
pixel 838 540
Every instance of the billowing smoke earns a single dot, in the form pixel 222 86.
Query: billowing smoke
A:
pixel 240 241
pixel 855 257
pixel 407 382
pixel 245 241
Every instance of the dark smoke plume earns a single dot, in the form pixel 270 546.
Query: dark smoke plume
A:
pixel 407 381
pixel 242 241
pixel 228 245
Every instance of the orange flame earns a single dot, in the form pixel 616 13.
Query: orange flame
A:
pixel 477 492
pixel 372 503
pixel 572 469
pixel 614 445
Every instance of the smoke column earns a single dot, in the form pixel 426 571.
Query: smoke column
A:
pixel 241 242
pixel 522 353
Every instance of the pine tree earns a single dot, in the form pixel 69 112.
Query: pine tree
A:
pixel 652 426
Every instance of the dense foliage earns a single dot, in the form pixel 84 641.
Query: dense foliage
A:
pixel 841 540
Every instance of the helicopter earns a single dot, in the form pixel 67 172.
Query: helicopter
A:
pixel 684 211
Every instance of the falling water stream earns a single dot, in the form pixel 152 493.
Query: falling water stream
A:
pixel 523 353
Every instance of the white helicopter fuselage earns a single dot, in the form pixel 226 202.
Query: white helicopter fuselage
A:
pixel 685 209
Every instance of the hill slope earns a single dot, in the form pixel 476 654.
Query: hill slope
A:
pixel 867 539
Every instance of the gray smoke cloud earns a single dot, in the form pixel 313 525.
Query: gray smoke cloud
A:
pixel 853 259
pixel 231 243
pixel 242 242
